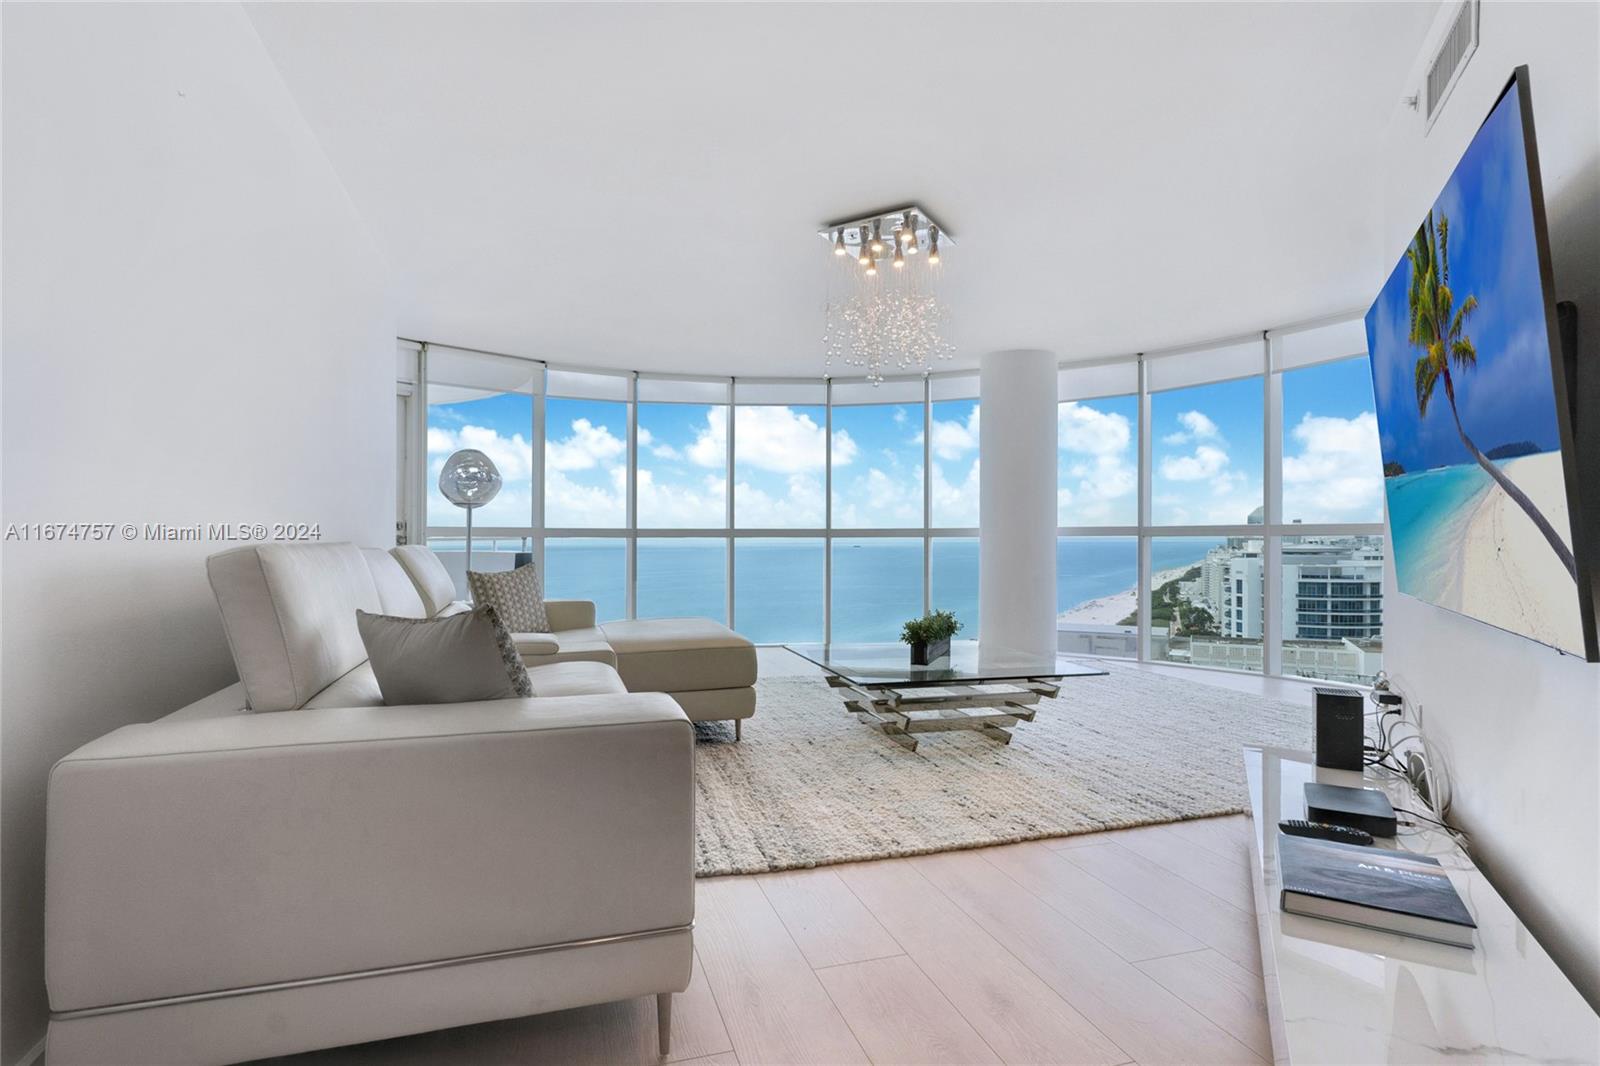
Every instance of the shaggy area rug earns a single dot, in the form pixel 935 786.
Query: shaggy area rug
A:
pixel 810 785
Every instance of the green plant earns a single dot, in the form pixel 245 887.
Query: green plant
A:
pixel 940 625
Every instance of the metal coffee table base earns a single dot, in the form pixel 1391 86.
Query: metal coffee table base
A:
pixel 901 713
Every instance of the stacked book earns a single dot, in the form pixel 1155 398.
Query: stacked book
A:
pixel 1394 891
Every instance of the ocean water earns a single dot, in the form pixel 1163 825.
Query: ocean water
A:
pixel 778 583
pixel 1428 513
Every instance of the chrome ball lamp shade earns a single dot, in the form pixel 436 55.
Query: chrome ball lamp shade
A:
pixel 469 480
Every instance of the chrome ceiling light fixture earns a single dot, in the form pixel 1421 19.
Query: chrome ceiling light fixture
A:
pixel 883 321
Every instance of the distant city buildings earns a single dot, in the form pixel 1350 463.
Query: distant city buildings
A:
pixel 1331 588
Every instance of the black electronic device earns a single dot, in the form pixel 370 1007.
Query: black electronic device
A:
pixel 1344 834
pixel 1363 808
pixel 1340 736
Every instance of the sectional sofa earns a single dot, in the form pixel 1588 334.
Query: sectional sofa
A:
pixel 288 864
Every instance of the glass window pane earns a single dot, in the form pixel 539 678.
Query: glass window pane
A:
pixel 1097 595
pixel 1332 465
pixel 777 589
pixel 588 568
pixel 586 464
pixel 1207 454
pixel 955 581
pixel 1097 476
pixel 877 587
pixel 683 463
pixel 501 426
pixel 1205 601
pixel 877 467
pixel 955 463
pixel 1333 608
pixel 682 578
pixel 778 457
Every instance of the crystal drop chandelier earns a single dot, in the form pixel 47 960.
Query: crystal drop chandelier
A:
pixel 883 311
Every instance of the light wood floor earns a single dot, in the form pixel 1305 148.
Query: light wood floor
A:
pixel 1135 945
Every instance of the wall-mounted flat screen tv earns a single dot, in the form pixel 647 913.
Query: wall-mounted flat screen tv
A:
pixel 1480 468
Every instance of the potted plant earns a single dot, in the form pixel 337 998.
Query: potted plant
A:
pixel 929 636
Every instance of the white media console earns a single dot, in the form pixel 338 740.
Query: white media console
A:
pixel 1343 994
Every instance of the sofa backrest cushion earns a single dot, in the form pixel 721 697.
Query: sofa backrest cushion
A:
pixel 398 595
pixel 289 612
pixel 427 573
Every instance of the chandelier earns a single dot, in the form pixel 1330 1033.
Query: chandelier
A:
pixel 882 309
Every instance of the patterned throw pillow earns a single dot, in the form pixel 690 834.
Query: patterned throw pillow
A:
pixel 459 659
pixel 515 595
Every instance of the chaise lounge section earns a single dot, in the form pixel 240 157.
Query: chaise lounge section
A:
pixel 706 667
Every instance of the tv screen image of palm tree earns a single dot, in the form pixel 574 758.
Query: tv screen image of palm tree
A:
pixel 1461 367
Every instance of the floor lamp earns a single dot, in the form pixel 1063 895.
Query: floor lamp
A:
pixel 469 480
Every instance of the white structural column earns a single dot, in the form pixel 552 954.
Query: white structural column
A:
pixel 1017 502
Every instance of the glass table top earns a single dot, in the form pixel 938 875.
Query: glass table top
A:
pixel 969 663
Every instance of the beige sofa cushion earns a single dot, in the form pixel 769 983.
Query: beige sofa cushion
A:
pixel 427 573
pixel 586 644
pixel 575 679
pixel 680 654
pixel 289 614
pixel 396 593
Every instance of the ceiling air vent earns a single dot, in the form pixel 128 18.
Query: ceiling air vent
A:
pixel 1460 41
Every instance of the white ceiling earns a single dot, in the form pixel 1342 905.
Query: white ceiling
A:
pixel 639 186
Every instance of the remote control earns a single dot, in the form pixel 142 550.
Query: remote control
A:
pixel 1344 834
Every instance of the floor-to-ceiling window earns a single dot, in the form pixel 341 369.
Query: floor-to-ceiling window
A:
pixel 681 482
pixel 1331 584
pixel 1207 442
pixel 1097 509
pixel 485 403
pixel 878 475
pixel 586 475
pixel 1218 506
pixel 780 509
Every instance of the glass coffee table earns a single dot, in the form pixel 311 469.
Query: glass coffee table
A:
pixel 973 687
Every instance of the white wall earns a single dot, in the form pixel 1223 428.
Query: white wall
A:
pixel 1518 723
pixel 196 329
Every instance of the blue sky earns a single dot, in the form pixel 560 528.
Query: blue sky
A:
pixel 1509 396
pixel 1206 439
pixel 877 455
pixel 1206 442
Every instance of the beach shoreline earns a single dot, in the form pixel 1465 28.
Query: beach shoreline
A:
pixel 1506 573
pixel 1111 610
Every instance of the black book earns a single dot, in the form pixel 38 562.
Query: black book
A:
pixel 1394 891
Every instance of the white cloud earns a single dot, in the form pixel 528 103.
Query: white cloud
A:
pixel 1097 471
pixel 1207 462
pixel 698 504
pixel 775 439
pixel 798 505
pixel 955 503
pixel 568 502
pixel 877 499
pixel 952 440
pixel 1196 426
pixel 1337 473
pixel 1081 428
pixel 587 447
